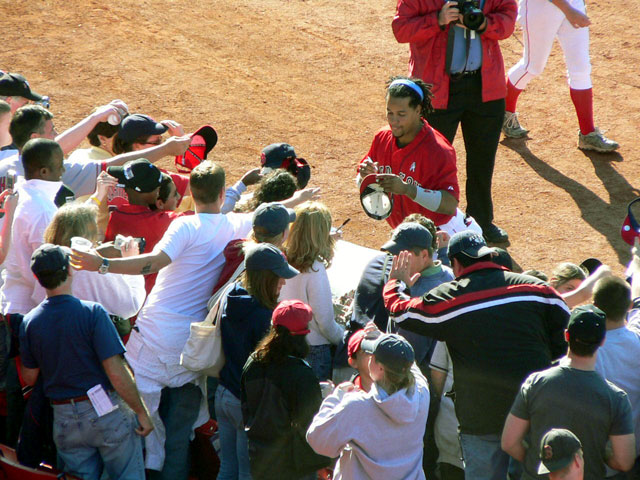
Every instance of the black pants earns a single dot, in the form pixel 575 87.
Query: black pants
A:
pixel 481 126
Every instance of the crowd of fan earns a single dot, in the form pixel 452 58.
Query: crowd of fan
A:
pixel 447 354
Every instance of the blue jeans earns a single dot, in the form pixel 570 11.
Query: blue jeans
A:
pixel 234 447
pixel 178 410
pixel 87 444
pixel 484 459
pixel 319 359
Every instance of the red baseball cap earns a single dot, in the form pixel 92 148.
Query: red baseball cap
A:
pixel 630 227
pixel 354 343
pixel 376 203
pixel 294 315
pixel 202 142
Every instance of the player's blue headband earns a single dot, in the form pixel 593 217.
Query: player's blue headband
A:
pixel 408 83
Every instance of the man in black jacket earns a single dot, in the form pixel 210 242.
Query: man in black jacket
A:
pixel 499 326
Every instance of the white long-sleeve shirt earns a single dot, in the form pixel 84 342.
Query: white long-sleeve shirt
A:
pixel 313 288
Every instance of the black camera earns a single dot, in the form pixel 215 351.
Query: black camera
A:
pixel 472 16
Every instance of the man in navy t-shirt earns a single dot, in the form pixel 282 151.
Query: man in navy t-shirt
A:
pixel 74 345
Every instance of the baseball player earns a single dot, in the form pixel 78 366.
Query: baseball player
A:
pixel 413 161
pixel 543 21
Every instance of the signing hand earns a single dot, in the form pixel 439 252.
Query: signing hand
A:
pixel 368 167
pixel 401 269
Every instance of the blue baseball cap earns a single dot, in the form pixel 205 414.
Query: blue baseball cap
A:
pixel 138 125
pixel 265 256
pixel 407 236
pixel 470 243
pixel 273 217
pixel 394 351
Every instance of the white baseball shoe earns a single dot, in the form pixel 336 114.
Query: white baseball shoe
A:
pixel 511 126
pixel 596 141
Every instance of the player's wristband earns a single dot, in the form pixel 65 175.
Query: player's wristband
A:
pixel 429 199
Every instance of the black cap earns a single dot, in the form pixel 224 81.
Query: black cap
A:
pixel 265 256
pixel 15 85
pixel 557 449
pixel 137 125
pixel 141 175
pixel 469 243
pixel 587 324
pixel 275 154
pixel 407 236
pixel 49 258
pixel 273 217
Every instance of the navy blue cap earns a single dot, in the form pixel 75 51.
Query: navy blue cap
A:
pixel 137 125
pixel 587 324
pixel 469 243
pixel 407 236
pixel 274 155
pixel 49 258
pixel 394 351
pixel 273 217
pixel 265 256
pixel 15 85
pixel 140 175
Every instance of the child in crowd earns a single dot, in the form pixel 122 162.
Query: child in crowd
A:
pixel 360 349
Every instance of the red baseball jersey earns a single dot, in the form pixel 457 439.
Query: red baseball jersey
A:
pixel 429 161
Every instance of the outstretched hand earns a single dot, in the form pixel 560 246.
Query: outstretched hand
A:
pixel 401 269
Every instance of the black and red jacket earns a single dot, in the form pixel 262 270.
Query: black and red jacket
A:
pixel 499 327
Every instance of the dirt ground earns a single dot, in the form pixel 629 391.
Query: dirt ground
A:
pixel 312 73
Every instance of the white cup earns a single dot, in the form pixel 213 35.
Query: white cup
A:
pixel 81 244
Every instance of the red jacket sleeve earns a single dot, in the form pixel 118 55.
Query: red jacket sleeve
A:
pixel 416 20
pixel 501 19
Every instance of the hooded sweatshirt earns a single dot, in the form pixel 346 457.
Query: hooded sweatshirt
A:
pixel 244 322
pixel 377 436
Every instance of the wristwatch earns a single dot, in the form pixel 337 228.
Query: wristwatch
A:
pixel 104 268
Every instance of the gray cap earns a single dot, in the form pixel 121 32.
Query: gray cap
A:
pixel 265 256
pixel 394 351
pixel 469 243
pixel 407 236
pixel 557 450
pixel 273 217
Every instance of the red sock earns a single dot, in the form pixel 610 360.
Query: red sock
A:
pixel 583 102
pixel 512 97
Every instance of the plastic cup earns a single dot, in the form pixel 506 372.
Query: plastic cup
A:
pixel 81 244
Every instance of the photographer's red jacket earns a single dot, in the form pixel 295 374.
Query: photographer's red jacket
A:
pixel 416 23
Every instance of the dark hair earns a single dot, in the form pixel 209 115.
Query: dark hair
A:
pixel 261 285
pixel 38 153
pixel 207 182
pixel 4 107
pixel 102 128
pixel 165 189
pixel 274 187
pixel 612 295
pixel 51 280
pixel 467 261
pixel 279 344
pixel 426 223
pixel 402 91
pixel 27 120
pixel 582 349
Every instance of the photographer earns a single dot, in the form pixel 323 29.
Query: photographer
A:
pixel 459 54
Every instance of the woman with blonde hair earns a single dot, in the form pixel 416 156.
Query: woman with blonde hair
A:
pixel 310 249
pixel 120 295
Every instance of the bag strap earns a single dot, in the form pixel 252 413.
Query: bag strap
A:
pixel 216 296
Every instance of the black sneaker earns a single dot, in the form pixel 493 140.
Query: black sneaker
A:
pixel 494 234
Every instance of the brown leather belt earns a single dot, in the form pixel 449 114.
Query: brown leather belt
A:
pixel 66 401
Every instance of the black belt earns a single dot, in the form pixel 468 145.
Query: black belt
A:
pixel 466 73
